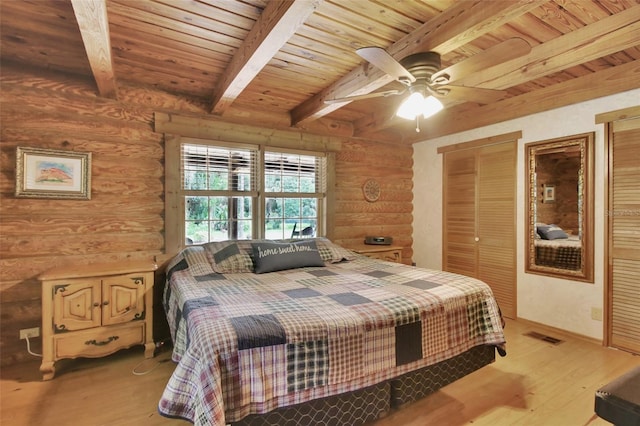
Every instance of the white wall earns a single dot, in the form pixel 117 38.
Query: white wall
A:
pixel 555 302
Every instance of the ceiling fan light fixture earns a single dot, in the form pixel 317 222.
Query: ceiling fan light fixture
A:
pixel 431 106
pixel 410 107
pixel 417 104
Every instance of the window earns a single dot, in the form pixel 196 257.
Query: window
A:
pixel 242 192
pixel 219 187
pixel 294 187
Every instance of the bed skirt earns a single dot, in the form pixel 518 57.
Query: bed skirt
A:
pixel 354 408
pixel 369 404
pixel 418 384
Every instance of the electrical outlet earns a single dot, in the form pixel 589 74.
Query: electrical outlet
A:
pixel 596 314
pixel 29 333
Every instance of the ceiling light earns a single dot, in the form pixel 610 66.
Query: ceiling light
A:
pixel 417 104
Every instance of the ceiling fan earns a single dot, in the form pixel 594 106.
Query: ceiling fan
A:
pixel 423 77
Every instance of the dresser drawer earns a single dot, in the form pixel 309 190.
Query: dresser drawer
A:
pixel 99 341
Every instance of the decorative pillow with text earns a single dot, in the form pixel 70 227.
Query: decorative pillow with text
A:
pixel 274 256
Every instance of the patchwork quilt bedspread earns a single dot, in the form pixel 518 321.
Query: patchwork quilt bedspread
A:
pixel 249 343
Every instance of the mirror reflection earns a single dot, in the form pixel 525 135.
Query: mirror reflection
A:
pixel 560 229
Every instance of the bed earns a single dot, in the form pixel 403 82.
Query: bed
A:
pixel 286 332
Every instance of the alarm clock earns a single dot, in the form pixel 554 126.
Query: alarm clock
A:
pixel 385 241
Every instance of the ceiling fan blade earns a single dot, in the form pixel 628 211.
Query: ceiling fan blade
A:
pixel 381 59
pixel 505 51
pixel 469 94
pixel 365 96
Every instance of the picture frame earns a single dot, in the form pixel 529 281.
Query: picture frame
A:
pixel 548 193
pixel 49 173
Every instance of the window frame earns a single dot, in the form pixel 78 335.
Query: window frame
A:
pixel 175 195
pixel 252 192
pixel 320 195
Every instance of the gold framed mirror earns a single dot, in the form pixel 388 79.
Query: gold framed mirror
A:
pixel 559 234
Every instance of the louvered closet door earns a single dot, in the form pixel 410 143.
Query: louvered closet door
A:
pixel 479 218
pixel 624 235
pixel 459 213
pixel 496 229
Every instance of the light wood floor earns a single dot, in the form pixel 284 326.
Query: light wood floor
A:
pixel 537 383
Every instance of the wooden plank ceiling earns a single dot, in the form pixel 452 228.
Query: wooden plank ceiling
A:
pixel 274 63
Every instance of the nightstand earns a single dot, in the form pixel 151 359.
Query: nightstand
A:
pixel 95 310
pixel 382 252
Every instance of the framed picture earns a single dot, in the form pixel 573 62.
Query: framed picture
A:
pixel 548 193
pixel 48 173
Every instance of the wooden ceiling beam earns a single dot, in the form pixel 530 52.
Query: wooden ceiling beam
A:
pixel 453 28
pixel 606 36
pixel 603 37
pixel 91 16
pixel 602 83
pixel 275 26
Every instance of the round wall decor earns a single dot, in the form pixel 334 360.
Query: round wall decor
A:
pixel 371 190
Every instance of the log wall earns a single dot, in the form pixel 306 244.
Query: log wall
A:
pixel 125 217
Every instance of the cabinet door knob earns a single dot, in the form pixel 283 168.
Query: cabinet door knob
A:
pixel 477 239
pixel 96 304
pixel 105 303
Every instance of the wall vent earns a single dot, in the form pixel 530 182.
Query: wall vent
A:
pixel 544 337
